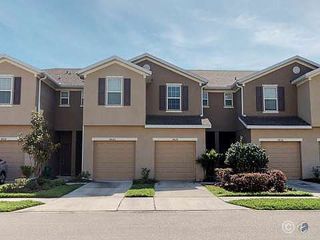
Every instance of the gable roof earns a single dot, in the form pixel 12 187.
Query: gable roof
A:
pixel 170 66
pixel 306 76
pixel 279 65
pixel 65 77
pixel 221 79
pixel 18 63
pixel 111 60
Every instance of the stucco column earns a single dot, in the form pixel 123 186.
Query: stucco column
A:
pixel 73 153
pixel 216 141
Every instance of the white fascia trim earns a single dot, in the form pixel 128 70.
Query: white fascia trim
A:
pixel 20 64
pixel 112 60
pixel 277 66
pixel 280 139
pixel 169 66
pixel 175 139
pixel 273 127
pixel 318 139
pixel 114 139
pixel 177 126
pixel 4 139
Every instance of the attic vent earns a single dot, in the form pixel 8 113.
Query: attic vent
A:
pixel 147 66
pixel 296 70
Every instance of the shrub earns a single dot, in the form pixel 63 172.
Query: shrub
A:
pixel 316 172
pixel 277 180
pixel 223 175
pixel 249 182
pixel 21 185
pixel 26 171
pixel 246 157
pixel 145 172
pixel 208 161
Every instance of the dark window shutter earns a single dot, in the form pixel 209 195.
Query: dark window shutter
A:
pixel 281 99
pixel 162 97
pixel 17 91
pixel 127 92
pixel 259 99
pixel 185 98
pixel 102 91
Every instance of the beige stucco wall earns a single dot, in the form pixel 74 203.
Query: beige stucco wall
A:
pixel 282 78
pixel 19 114
pixel 126 115
pixel 161 76
pixel 222 119
pixel 145 146
pixel 315 100
pixel 304 104
pixel 309 145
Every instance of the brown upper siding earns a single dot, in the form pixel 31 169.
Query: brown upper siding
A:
pixel 19 114
pixel 48 103
pixel 161 76
pixel 282 78
pixel 69 118
pixel 222 119
pixel 134 114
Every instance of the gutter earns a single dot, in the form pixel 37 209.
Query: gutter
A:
pixel 241 89
pixel 42 78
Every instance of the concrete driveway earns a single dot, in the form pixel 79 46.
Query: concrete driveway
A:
pixel 93 196
pixel 190 196
pixel 313 188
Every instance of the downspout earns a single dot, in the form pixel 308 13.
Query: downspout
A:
pixel 43 77
pixel 241 92
pixel 202 87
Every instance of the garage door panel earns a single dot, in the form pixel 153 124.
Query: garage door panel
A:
pixel 175 160
pixel 284 156
pixel 114 160
pixel 11 152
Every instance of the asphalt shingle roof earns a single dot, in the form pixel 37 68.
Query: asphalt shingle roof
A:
pixel 65 76
pixel 274 121
pixel 173 120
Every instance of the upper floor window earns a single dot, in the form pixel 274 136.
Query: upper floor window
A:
pixel 114 91
pixel 228 100
pixel 270 98
pixel 6 86
pixel 173 97
pixel 64 98
pixel 205 99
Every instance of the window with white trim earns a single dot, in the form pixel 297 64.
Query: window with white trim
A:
pixel 173 97
pixel 270 98
pixel 6 88
pixel 64 98
pixel 81 98
pixel 205 99
pixel 114 91
pixel 228 99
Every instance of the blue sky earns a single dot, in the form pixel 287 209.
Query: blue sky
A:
pixel 195 34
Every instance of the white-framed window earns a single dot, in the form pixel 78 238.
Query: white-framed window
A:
pixel 270 98
pixel 205 99
pixel 81 98
pixel 64 98
pixel 6 90
pixel 114 91
pixel 173 97
pixel 228 99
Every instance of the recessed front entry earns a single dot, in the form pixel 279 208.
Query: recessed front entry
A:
pixel 284 156
pixel 175 160
pixel 11 153
pixel 113 160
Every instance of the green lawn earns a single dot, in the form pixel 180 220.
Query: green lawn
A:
pixel 9 206
pixel 58 191
pixel 279 203
pixel 141 190
pixel 221 192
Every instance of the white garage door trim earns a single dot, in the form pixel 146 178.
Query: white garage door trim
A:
pixel 280 139
pixel 175 139
pixel 113 139
pixel 6 139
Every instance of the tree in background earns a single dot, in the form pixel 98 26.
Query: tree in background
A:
pixel 38 143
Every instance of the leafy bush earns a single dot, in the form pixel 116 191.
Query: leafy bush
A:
pixel 26 171
pixel 223 175
pixel 249 182
pixel 246 158
pixel 208 161
pixel 145 172
pixel 277 181
pixel 316 172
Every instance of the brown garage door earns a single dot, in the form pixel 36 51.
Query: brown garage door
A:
pixel 113 161
pixel 284 156
pixel 175 161
pixel 12 154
